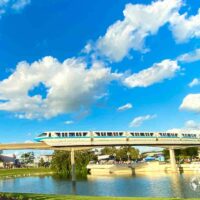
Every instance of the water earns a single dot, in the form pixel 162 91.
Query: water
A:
pixel 164 185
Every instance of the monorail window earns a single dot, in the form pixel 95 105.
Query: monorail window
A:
pixel 66 134
pixel 120 133
pixel 103 133
pixel 162 134
pixel 141 134
pixel 71 134
pixel 98 134
pixel 115 133
pixel 58 134
pixel 135 134
pixel 84 133
pixel 42 135
pixel 109 133
pixel 49 134
pixel 151 134
pixel 78 134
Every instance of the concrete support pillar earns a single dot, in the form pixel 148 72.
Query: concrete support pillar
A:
pixel 173 160
pixel 73 169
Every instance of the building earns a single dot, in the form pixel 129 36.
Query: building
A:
pixel 7 160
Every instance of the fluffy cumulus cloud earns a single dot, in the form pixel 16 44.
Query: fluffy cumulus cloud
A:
pixel 190 57
pixel 125 107
pixel 191 103
pixel 185 27
pixel 138 121
pixel 190 126
pixel 139 22
pixel 157 73
pixel 71 86
pixel 20 4
pixel 183 130
pixel 194 82
pixel 16 5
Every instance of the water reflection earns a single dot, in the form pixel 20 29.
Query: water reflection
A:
pixel 154 185
pixel 74 187
pixel 176 185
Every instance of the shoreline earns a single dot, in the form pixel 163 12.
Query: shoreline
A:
pixel 24 172
pixel 30 196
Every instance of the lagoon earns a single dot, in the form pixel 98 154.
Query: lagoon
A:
pixel 151 185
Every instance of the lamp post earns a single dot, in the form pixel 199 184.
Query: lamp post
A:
pixel 128 154
pixel 114 156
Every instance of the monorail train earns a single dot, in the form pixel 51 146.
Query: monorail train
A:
pixel 103 138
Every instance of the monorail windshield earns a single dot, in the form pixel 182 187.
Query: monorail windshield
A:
pixel 42 134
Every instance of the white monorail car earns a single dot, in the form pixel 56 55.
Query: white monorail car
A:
pixel 103 138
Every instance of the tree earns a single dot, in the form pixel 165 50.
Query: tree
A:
pixel 182 153
pixel 41 163
pixel 61 162
pixel 109 151
pixel 123 153
pixel 27 157
pixel 127 152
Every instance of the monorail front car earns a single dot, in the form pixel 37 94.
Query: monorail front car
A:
pixel 98 138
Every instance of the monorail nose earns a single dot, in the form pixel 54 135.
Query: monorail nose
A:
pixel 37 139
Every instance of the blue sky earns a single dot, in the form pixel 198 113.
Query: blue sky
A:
pixel 98 65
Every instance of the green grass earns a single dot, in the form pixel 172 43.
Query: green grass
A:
pixel 9 173
pixel 19 196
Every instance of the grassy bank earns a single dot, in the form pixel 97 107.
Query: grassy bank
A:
pixel 8 196
pixel 9 173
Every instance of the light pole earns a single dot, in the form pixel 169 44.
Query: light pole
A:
pixel 114 156
pixel 128 154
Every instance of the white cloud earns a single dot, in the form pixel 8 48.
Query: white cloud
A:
pixel 190 127
pixel 20 4
pixel 157 73
pixel 125 107
pixel 138 121
pixel 72 86
pixel 139 22
pixel 69 122
pixel 191 124
pixel 15 5
pixel 87 48
pixel 183 130
pixel 194 82
pixel 191 103
pixel 190 57
pixel 185 27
